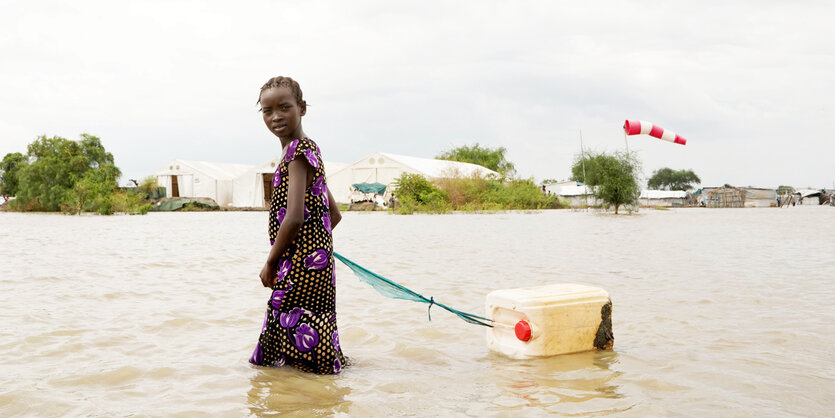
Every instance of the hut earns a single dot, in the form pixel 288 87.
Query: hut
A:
pixel 726 196
pixel 384 168
pixel 184 178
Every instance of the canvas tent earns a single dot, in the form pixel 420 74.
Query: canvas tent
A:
pixel 182 178
pixel 381 167
pixel 254 187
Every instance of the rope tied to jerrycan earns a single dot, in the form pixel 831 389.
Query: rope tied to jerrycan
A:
pixel 391 289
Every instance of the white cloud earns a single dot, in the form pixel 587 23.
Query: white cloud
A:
pixel 748 83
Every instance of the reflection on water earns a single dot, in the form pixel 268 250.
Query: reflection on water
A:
pixel 293 393
pixel 714 311
pixel 558 384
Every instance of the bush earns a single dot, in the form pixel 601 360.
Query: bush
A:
pixel 478 193
pixel 417 194
pixel 147 186
pixel 130 201
pixel 471 194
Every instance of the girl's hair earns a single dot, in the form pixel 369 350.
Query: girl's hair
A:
pixel 284 82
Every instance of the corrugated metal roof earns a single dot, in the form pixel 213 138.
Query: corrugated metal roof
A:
pixel 572 190
pixel 663 194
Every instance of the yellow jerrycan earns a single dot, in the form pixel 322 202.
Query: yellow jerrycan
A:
pixel 549 320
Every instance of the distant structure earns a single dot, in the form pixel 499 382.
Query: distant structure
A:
pixel 665 198
pixel 254 188
pixel 726 196
pixel 384 168
pixel 756 197
pixel 729 196
pixel 184 178
pixel 575 193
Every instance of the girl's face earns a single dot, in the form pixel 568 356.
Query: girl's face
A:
pixel 282 114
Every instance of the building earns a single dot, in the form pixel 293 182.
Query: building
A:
pixel 577 194
pixel 666 198
pixel 756 197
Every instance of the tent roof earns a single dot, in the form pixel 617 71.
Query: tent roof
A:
pixel 220 171
pixel 438 168
pixel 270 165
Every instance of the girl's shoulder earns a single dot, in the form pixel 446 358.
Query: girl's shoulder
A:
pixel 303 148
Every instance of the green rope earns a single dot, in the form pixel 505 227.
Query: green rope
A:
pixel 391 289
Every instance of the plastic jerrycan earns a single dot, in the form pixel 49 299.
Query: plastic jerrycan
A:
pixel 549 320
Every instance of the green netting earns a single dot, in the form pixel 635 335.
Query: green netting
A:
pixel 393 290
pixel 378 188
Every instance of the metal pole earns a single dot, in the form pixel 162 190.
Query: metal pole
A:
pixel 626 142
pixel 583 154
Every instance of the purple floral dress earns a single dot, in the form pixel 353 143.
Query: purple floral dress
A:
pixel 300 322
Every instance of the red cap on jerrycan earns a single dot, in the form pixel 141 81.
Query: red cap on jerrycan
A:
pixel 523 331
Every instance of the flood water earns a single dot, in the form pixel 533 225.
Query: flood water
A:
pixel 722 312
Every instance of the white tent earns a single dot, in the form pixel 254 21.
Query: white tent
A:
pixel 251 187
pixel 183 178
pixel 384 168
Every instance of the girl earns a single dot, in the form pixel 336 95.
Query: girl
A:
pixel 300 322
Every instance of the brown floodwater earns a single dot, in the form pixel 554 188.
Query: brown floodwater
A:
pixel 715 312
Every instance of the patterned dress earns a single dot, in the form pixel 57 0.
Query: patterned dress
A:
pixel 300 322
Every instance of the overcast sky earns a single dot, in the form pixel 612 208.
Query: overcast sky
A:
pixel 751 84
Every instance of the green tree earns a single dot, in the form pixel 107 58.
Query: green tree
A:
pixel 492 158
pixel 669 179
pixel 587 168
pixel 614 178
pixel 9 173
pixel 94 192
pixel 61 173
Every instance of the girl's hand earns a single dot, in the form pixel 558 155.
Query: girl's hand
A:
pixel 268 275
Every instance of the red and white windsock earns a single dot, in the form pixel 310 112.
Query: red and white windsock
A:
pixel 638 127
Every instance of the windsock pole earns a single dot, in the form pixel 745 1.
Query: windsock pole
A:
pixel 625 140
pixel 585 186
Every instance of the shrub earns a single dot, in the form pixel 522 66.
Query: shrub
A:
pixel 417 194
pixel 471 194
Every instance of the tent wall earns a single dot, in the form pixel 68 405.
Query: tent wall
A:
pixel 384 168
pixel 185 184
pixel 340 182
pixel 201 179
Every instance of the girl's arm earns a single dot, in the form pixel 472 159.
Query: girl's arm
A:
pixel 298 177
pixel 333 211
